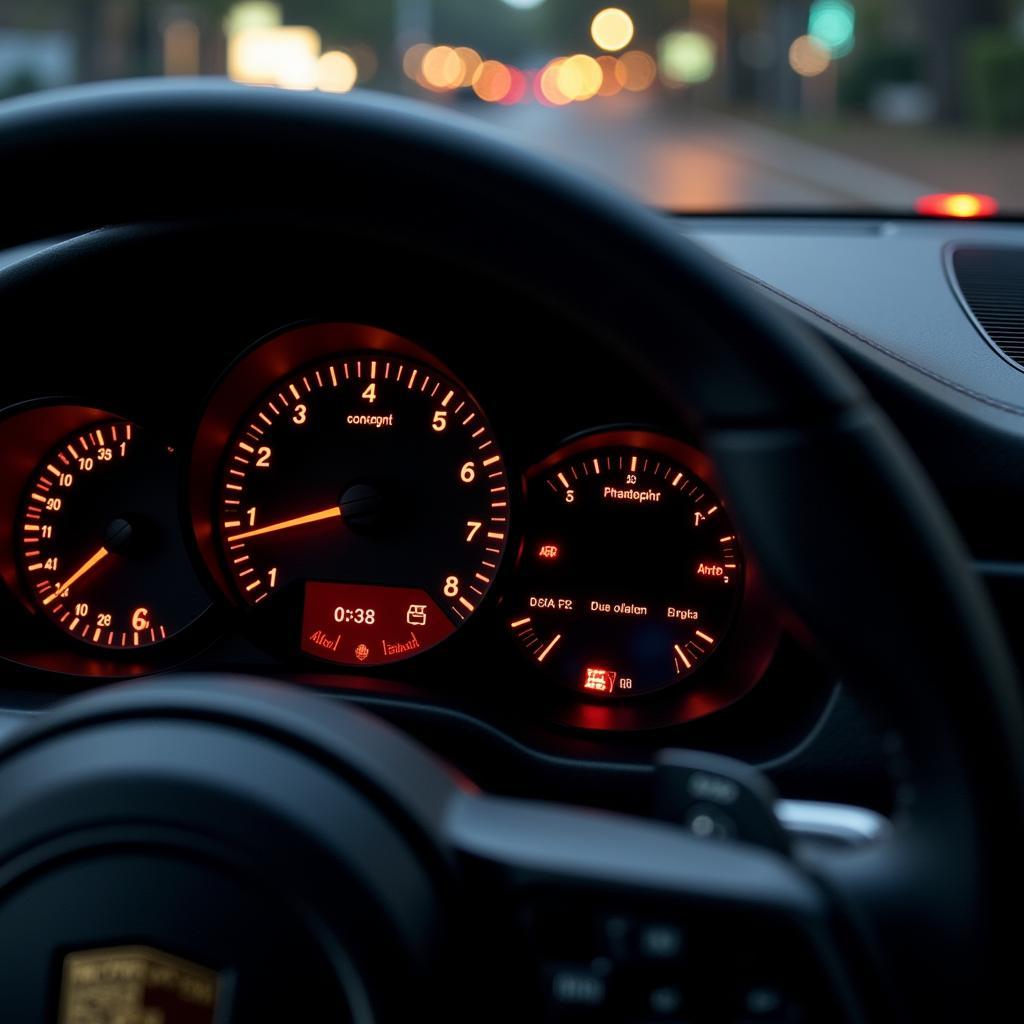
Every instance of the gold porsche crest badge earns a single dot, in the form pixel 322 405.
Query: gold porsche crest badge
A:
pixel 135 985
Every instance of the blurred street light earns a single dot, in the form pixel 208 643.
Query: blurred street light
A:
pixel 831 23
pixel 808 58
pixel 636 70
pixel 471 61
pixel 442 68
pixel 285 56
pixel 252 14
pixel 687 57
pixel 336 71
pixel 612 29
pixel 492 81
pixel 580 77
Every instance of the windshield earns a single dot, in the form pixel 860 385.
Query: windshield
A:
pixel 699 106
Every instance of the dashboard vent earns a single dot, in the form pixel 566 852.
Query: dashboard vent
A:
pixel 991 283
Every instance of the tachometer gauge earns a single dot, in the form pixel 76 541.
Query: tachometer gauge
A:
pixel 630 573
pixel 100 549
pixel 369 489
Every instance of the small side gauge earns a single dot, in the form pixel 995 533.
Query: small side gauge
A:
pixel 100 549
pixel 630 573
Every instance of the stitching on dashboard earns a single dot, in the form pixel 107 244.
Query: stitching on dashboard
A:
pixel 995 403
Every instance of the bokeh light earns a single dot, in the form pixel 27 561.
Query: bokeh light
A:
pixel 336 71
pixel 956 204
pixel 285 56
pixel 442 68
pixel 686 56
pixel 492 81
pixel 579 77
pixel 612 29
pixel 250 14
pixel 471 60
pixel 807 57
pixel 610 84
pixel 832 23
pixel 637 70
pixel 517 90
pixel 412 60
pixel 548 88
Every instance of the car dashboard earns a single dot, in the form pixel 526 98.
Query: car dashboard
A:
pixel 263 452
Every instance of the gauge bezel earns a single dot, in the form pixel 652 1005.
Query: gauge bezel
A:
pixel 737 664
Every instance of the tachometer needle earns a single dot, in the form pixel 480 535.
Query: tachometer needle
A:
pixel 62 588
pixel 334 512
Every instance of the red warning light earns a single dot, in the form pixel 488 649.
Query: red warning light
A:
pixel 547 551
pixel 600 679
pixel 956 204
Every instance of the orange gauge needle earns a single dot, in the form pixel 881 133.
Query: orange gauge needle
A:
pixel 334 512
pixel 62 588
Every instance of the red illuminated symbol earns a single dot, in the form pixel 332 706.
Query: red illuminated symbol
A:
pixel 416 615
pixel 600 679
pixel 956 204
pixel 548 551
pixel 362 652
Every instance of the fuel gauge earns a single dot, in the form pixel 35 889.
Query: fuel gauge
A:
pixel 630 573
pixel 100 549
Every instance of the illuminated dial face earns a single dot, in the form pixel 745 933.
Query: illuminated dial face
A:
pixel 369 489
pixel 101 551
pixel 630 574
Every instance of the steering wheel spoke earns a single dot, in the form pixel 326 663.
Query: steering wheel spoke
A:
pixel 613 918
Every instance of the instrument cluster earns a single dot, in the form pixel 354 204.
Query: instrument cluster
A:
pixel 346 507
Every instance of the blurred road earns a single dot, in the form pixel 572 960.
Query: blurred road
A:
pixel 697 160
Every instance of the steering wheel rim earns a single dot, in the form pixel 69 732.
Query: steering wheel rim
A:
pixel 790 429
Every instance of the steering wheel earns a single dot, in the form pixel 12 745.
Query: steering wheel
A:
pixel 279 858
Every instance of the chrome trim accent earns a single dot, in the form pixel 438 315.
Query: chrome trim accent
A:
pixel 840 823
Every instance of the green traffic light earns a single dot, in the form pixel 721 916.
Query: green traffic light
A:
pixel 832 23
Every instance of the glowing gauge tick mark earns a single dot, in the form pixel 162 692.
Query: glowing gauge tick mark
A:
pixel 334 512
pixel 685 660
pixel 551 644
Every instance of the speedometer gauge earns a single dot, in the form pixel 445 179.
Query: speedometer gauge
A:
pixel 368 490
pixel 631 571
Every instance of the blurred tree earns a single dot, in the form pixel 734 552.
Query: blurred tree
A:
pixel 86 21
pixel 946 24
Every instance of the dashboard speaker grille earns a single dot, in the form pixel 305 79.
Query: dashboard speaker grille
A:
pixel 991 283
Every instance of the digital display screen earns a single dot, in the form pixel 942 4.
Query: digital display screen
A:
pixel 354 624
